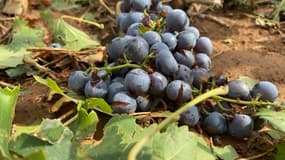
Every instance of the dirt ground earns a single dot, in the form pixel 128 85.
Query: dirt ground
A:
pixel 242 49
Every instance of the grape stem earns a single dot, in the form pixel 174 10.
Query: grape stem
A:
pixel 136 149
pixel 242 102
pixel 126 65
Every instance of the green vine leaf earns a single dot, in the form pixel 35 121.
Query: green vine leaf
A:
pixel 121 133
pixel 280 155
pixel 8 99
pixel 276 119
pixel 64 33
pixel 23 36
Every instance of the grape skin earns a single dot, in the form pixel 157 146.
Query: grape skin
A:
pixel 137 81
pixel 241 126
pixel 123 103
pixel 265 90
pixel 215 124
pixel 191 116
pixel 178 91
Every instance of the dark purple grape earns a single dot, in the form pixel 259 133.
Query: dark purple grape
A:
pixel 120 18
pixel 203 61
pixel 266 91
pixel 96 89
pixel 77 80
pixel 185 57
pixel 55 45
pixel 238 90
pixel 215 124
pixel 137 49
pixel 176 20
pixel 194 30
pixel 204 45
pixel 129 19
pixel 137 81
pixel 241 126
pixel 159 46
pixel 200 76
pixel 158 83
pixel 184 73
pixel 116 87
pixel 117 47
pixel 170 40
pixel 151 37
pixel 143 103
pixel 186 40
pixel 178 91
pixel 134 29
pixel 190 117
pixel 139 5
pixel 166 63
pixel 123 103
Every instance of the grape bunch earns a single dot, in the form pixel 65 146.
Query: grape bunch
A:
pixel 161 59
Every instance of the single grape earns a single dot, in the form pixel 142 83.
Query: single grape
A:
pixel 170 40
pixel 96 89
pixel 137 81
pixel 238 90
pixel 159 46
pixel 139 5
pixel 119 19
pixel 178 91
pixel 241 126
pixel 134 29
pixel 184 73
pixel 265 90
pixel 204 45
pixel 151 37
pixel 77 80
pixel 166 63
pixel 215 124
pixel 194 30
pixel 203 61
pixel 123 103
pixel 158 83
pixel 129 19
pixel 200 76
pixel 117 47
pixel 143 103
pixel 185 57
pixel 176 20
pixel 137 49
pixel 55 45
pixel 191 116
pixel 186 40
pixel 116 87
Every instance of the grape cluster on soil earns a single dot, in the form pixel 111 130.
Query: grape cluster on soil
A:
pixel 160 58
